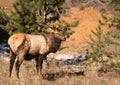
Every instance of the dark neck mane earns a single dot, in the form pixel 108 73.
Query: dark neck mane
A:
pixel 54 43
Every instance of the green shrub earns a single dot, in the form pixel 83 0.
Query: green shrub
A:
pixel 32 16
pixel 98 46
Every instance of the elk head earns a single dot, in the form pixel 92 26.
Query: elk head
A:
pixel 58 34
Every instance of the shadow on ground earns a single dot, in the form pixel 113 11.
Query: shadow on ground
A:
pixel 61 74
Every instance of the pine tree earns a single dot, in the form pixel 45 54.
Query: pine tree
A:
pixel 24 17
pixel 29 15
pixel 97 45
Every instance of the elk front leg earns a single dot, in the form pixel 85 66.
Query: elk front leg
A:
pixel 37 67
pixel 39 64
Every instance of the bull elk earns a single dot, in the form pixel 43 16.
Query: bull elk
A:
pixel 28 46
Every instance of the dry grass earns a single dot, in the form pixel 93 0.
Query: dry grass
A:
pixel 56 76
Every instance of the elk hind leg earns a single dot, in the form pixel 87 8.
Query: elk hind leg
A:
pixel 19 61
pixel 21 52
pixel 12 60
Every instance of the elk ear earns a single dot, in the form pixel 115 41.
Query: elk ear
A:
pixel 55 31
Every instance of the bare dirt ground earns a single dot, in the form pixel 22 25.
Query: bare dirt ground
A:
pixel 75 44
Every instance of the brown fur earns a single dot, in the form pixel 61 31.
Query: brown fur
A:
pixel 26 47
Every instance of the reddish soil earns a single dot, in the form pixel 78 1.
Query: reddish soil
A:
pixel 88 21
pixel 6 5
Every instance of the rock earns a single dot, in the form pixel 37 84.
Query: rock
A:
pixel 66 59
pixel 63 57
pixel 4 57
pixel 50 56
pixel 4 52
pixel 80 57
pixel 74 68
pixel 77 60
pixel 103 58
